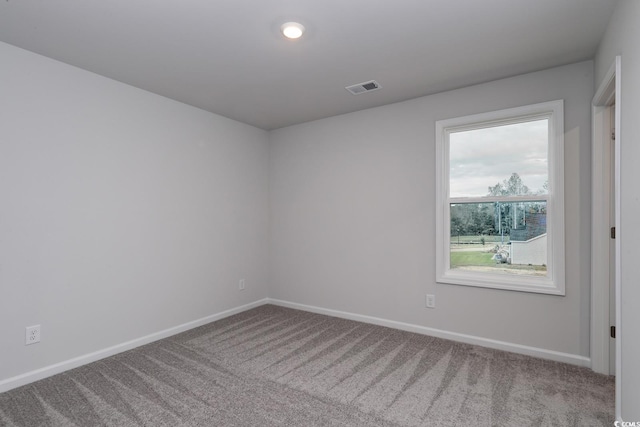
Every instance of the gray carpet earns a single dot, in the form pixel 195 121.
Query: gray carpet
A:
pixel 273 366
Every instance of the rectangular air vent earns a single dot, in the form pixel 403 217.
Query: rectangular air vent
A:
pixel 363 87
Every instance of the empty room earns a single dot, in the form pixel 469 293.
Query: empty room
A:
pixel 319 213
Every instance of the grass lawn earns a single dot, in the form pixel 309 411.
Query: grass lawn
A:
pixel 462 259
pixel 459 259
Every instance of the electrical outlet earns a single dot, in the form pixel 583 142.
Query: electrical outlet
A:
pixel 32 334
pixel 241 285
pixel 431 301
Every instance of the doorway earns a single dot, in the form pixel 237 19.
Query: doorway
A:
pixel 604 227
pixel 611 112
pixel 606 356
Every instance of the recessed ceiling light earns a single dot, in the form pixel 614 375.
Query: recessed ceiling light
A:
pixel 292 30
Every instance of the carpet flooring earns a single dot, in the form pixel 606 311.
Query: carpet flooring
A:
pixel 274 366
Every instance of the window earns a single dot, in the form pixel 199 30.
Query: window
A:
pixel 500 201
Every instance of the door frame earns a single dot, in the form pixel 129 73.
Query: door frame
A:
pixel 608 93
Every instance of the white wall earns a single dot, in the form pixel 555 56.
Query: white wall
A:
pixel 353 216
pixel 122 213
pixel 623 38
pixel 533 251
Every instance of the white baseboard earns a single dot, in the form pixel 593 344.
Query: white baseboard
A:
pixel 454 336
pixel 47 371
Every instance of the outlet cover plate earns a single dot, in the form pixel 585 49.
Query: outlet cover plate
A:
pixel 431 301
pixel 32 334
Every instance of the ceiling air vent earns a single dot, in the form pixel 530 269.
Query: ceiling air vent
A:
pixel 363 87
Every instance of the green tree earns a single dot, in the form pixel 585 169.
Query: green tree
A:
pixel 472 219
pixel 456 223
pixel 510 187
pixel 505 212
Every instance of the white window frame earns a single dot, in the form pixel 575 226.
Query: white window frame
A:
pixel 554 281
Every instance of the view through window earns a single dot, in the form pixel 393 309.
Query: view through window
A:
pixel 509 165
pixel 500 199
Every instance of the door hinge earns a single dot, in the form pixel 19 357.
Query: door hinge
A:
pixel 613 135
pixel 613 232
pixel 613 332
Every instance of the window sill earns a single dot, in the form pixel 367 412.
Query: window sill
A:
pixel 540 285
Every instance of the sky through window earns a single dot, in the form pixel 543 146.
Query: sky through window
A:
pixel 481 158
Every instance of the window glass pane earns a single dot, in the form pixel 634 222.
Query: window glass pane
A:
pixel 502 238
pixel 485 161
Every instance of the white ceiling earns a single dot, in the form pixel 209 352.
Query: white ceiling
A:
pixel 228 57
